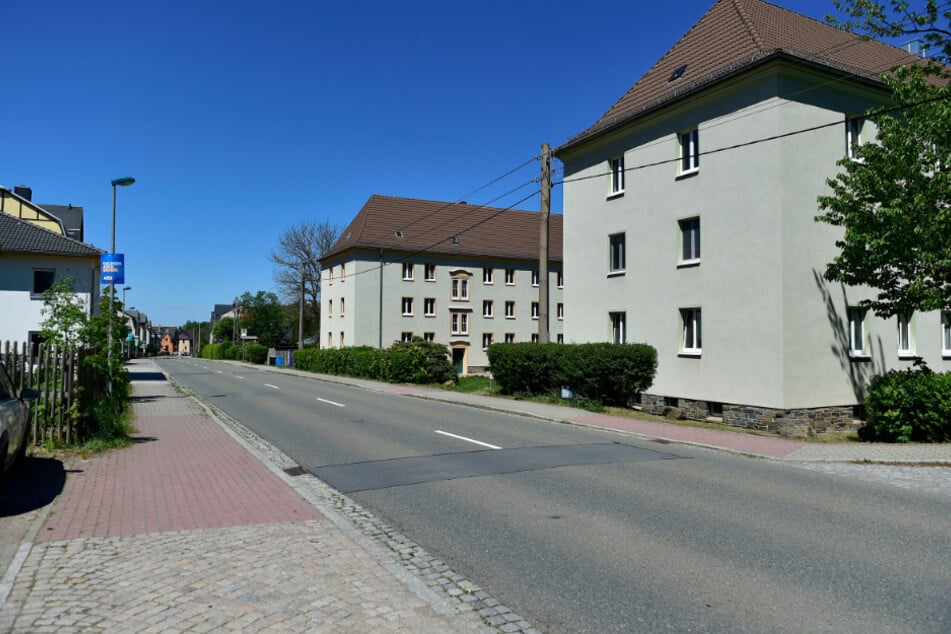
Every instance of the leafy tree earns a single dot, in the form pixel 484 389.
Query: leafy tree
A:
pixel 263 316
pixel 64 315
pixel 200 331
pixel 896 18
pixel 298 256
pixel 224 329
pixel 894 201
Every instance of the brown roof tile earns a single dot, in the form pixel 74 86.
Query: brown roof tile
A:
pixel 737 34
pixel 427 227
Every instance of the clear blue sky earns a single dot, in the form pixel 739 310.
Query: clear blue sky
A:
pixel 239 119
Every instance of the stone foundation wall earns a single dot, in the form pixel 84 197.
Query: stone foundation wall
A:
pixel 794 423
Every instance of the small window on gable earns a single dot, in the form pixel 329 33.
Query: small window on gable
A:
pixel 689 145
pixel 856 316
pixel 429 272
pixel 690 321
pixel 488 275
pixel 618 327
pixel 408 271
pixel 561 279
pixel 510 277
pixel 535 277
pixel 616 257
pixel 853 135
pixel 616 166
pixel 690 241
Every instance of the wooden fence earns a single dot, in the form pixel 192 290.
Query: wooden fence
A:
pixel 59 376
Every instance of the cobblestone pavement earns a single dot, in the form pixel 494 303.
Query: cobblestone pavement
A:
pixel 932 479
pixel 197 528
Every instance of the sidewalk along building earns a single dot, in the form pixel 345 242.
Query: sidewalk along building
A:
pixel 458 274
pixel 731 136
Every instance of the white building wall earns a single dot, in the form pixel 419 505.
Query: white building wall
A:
pixel 768 336
pixel 21 310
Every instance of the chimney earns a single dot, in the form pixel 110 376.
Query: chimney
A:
pixel 23 192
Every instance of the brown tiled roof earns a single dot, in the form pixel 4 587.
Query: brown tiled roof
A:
pixel 427 227
pixel 738 34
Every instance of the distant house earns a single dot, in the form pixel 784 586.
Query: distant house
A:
pixel 731 136
pixel 32 258
pixel 219 312
pixel 185 340
pixel 167 342
pixel 458 274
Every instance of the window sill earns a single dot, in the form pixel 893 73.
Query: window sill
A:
pixel 508 317
pixel 614 195
pixel 688 173
pixel 619 273
pixel 859 356
pixel 36 296
pixel 907 356
pixel 432 280
pixel 690 354
pixel 408 279
pixel 431 316
pixel 488 283
pixel 407 314
pixel 488 316
pixel 688 264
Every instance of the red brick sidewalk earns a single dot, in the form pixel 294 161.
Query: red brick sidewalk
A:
pixel 183 473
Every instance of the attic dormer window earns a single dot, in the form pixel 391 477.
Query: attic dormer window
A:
pixel 398 233
pixel 677 72
pixel 454 239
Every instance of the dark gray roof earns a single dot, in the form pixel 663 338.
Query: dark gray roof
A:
pixel 21 236
pixel 71 217
pixel 219 310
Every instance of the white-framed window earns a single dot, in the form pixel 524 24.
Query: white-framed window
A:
pixel 616 255
pixel 488 309
pixel 408 271
pixel 534 337
pixel 510 337
pixel 856 317
pixel 341 339
pixel 534 310
pixel 853 135
pixel 618 327
pixel 689 147
pixel 510 277
pixel 407 307
pixel 560 310
pixel 488 275
pixel 906 336
pixel 946 333
pixel 690 322
pixel 343 274
pixel 510 310
pixel 406 336
pixel 460 323
pixel 330 308
pixel 460 288
pixel 330 339
pixel 561 338
pixel 616 166
pixel 342 305
pixel 429 336
pixel 429 272
pixel 43 279
pixel 535 278
pixel 486 340
pixel 330 275
pixel 429 306
pixel 561 279
pixel 689 241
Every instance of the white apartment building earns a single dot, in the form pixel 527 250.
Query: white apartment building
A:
pixel 726 142
pixel 458 274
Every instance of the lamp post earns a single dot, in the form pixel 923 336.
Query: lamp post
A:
pixel 127 288
pixel 125 181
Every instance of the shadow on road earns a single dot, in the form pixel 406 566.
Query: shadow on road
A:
pixel 32 485
pixel 135 375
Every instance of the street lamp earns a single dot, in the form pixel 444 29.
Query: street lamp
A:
pixel 127 288
pixel 125 181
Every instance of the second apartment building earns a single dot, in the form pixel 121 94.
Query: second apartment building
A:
pixel 458 274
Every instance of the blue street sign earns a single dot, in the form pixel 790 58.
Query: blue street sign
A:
pixel 113 268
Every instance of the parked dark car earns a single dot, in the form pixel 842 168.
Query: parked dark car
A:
pixel 15 409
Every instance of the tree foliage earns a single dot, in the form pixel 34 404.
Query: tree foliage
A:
pixel 224 329
pixel 263 316
pixel 896 19
pixel 65 319
pixel 894 201
pixel 297 257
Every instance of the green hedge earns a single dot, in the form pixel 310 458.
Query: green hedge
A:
pixel 255 353
pixel 410 362
pixel 605 372
pixel 912 405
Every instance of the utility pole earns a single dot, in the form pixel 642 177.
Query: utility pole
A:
pixel 544 336
pixel 300 317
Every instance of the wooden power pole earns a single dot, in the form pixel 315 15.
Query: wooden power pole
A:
pixel 544 336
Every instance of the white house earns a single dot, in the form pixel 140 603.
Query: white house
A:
pixel 463 275
pixel 32 259
pixel 731 136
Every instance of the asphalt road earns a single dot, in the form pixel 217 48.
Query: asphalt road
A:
pixel 581 530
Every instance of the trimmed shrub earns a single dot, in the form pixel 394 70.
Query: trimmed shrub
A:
pixel 255 353
pixel 911 405
pixel 603 372
pixel 410 362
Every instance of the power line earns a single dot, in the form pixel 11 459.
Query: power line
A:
pixel 764 139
